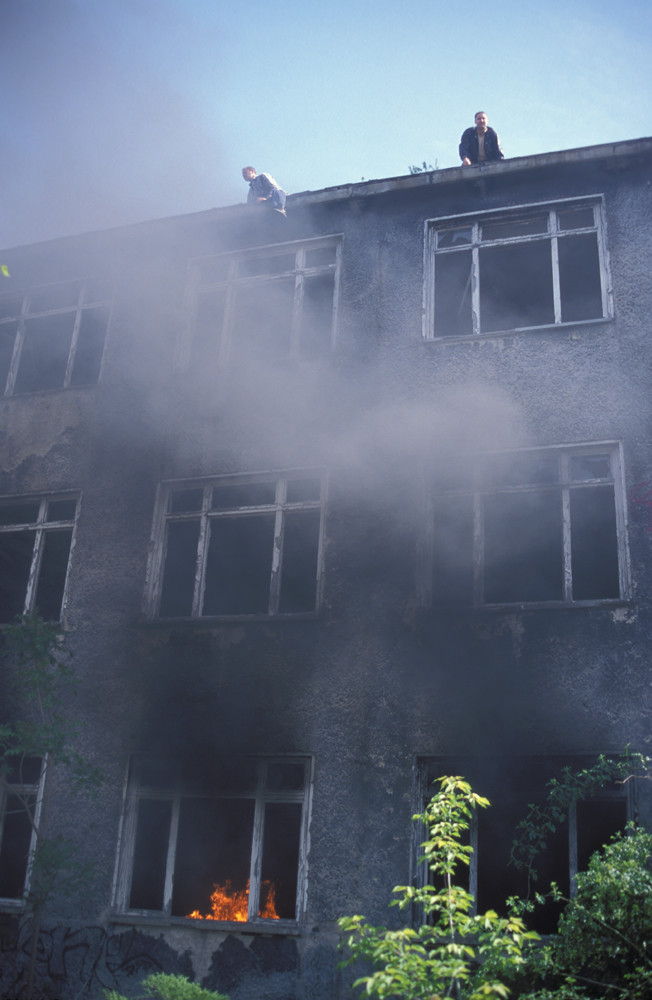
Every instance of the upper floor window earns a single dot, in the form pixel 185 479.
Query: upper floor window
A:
pixel 273 302
pixel 546 525
pixel 525 267
pixel 238 545
pixel 224 839
pixel 52 337
pixel 20 804
pixel 35 541
pixel 512 786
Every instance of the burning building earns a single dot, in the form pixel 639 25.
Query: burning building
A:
pixel 327 506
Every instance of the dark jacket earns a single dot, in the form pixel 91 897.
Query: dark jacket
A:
pixel 469 145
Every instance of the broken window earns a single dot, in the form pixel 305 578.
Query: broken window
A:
pixel 512 785
pixel 239 545
pixel 35 542
pixel 539 526
pixel 527 267
pixel 272 302
pixel 223 839
pixel 20 799
pixel 52 337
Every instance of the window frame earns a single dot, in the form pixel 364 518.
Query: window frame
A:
pixel 564 485
pixel 177 791
pixel 279 508
pixel 233 279
pixel 41 526
pixel 23 788
pixel 511 212
pixel 25 314
pixel 423 790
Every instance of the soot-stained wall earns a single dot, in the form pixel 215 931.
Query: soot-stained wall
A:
pixel 377 678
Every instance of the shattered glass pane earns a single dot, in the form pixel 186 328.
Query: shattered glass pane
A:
pixel 576 218
pixel 300 551
pixel 455 237
pixel 516 286
pixel 453 309
pixel 52 573
pixel 587 467
pixel 513 228
pixel 317 314
pixel 321 256
pixel 239 565
pixel 523 547
pixel 14 848
pixel 180 567
pixel 90 346
pixel 44 356
pixel 594 544
pixel 16 552
pixel 150 855
pixel 281 839
pixel 579 278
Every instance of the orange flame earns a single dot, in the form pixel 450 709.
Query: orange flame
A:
pixel 228 903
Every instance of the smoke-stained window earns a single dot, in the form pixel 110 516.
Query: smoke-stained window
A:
pixel 239 545
pixel 273 302
pixel 543 526
pixel 20 801
pixel 527 267
pixel 36 536
pixel 221 839
pixel 52 337
pixel 512 785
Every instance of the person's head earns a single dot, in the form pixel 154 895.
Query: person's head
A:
pixel 248 173
pixel 481 121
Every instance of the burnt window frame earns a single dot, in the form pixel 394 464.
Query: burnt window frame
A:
pixel 21 317
pixel 474 221
pixel 23 788
pixel 41 527
pixel 279 508
pixel 565 486
pixel 428 767
pixel 177 789
pixel 233 265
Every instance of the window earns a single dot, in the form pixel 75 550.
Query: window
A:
pixel 273 302
pixel 527 267
pixel 52 337
pixel 239 545
pixel 20 803
pixel 545 525
pixel 223 839
pixel 35 542
pixel 511 785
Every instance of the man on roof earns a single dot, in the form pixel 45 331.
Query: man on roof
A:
pixel 480 144
pixel 263 189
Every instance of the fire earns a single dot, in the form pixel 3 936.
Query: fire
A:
pixel 228 903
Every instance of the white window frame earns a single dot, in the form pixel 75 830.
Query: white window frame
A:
pixel 23 788
pixel 474 221
pixel 174 794
pixel 564 486
pixel 232 279
pixel 41 526
pixel 26 313
pixel 279 508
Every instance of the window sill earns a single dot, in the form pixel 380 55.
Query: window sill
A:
pixel 275 927
pixel 607 604
pixel 216 621
pixel 494 334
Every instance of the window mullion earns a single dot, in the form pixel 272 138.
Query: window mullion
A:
pixel 19 339
pixel 37 554
pixel 556 284
pixel 202 556
pixel 297 310
pixel 72 350
pixel 255 870
pixel 171 855
pixel 478 550
pixel 475 288
pixel 572 848
pixel 566 542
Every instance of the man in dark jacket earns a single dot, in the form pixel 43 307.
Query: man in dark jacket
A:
pixel 480 144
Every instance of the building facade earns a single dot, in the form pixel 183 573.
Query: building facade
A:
pixel 327 506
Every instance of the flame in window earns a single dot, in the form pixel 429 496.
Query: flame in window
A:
pixel 228 903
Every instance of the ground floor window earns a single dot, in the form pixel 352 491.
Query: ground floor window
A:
pixel 223 840
pixel 511 785
pixel 20 801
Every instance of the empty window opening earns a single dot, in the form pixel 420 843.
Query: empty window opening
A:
pixel 20 791
pixel 53 337
pixel 524 269
pixel 240 545
pixel 35 544
pixel 539 526
pixel 273 302
pixel 231 848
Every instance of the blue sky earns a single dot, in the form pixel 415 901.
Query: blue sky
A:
pixel 115 111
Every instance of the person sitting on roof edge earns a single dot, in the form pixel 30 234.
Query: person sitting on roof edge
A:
pixel 480 144
pixel 263 189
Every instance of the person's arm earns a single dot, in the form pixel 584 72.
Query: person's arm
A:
pixel 465 148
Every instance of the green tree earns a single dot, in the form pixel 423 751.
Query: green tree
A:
pixel 36 657
pixel 453 953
